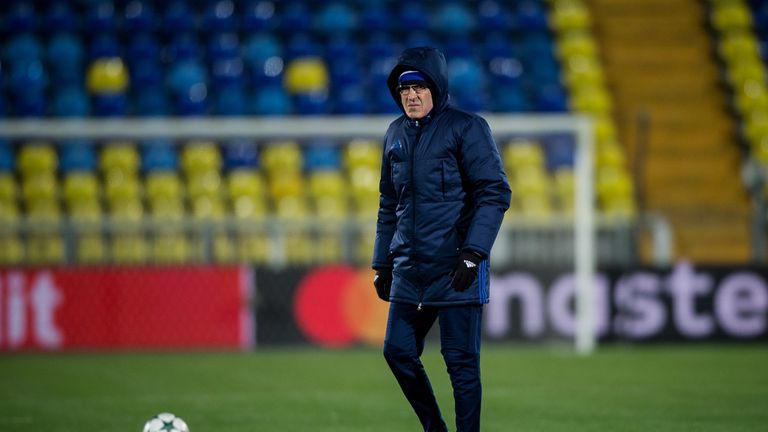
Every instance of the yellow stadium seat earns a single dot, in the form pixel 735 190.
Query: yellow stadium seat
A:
pixel 107 76
pixel 577 43
pixel 44 214
pixel 365 180
pixel 80 187
pixel 9 189
pixel 286 185
pixel 735 46
pixel 582 72
pixel 208 208
pixel 170 248
pixel 200 156
pixel 9 213
pixel 42 186
pixel 119 156
pixel 362 153
pixel 615 192
pixel 592 100
pixel 306 75
pixel 610 155
pixel 245 183
pixel 567 15
pixel 291 208
pixel 44 249
pixel 282 157
pixel 36 158
pixel 330 207
pixel 522 152
pixel 204 185
pixel 119 188
pixel 327 183
pixel 163 186
pixel 731 15
pixel 12 252
pixel 366 205
pixel 85 212
pixel 90 249
pixel 127 211
pixel 746 71
pixel 129 248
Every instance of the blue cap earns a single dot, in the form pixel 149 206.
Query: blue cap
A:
pixel 411 77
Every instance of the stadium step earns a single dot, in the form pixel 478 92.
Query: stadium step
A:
pixel 659 62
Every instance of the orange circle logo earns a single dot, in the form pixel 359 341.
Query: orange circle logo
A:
pixel 337 306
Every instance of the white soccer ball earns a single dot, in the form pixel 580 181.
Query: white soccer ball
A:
pixel 166 422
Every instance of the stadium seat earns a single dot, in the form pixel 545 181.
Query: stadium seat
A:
pixel 567 15
pixel 177 18
pixel 119 158
pixel 22 48
pixel 452 18
pixel 282 157
pixel 70 101
pixel 20 17
pixel 77 155
pixel 220 16
pixel 65 50
pixel 104 46
pixel 37 158
pixel 492 15
pixel 138 17
pixel 60 17
pixel 259 15
pixel 335 17
pixel 199 157
pixel 223 46
pixel 107 76
pixel 101 17
pixel 247 194
pixel 142 47
pixel 295 17
pixel 158 155
pixel 271 101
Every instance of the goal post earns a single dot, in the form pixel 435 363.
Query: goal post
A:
pixel 368 127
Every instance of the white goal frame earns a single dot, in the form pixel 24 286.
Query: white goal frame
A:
pixel 361 126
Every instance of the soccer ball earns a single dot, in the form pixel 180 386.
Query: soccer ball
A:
pixel 166 422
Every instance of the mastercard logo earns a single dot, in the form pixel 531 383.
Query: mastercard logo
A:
pixel 337 306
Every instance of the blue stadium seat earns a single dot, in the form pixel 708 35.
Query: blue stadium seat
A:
pixel 551 98
pixel 110 105
pixel 139 17
pixel 559 151
pixel 27 77
pixel 345 72
pixel 466 74
pixel 192 102
pixel 453 18
pixel 65 51
pixel 184 47
pixel 229 100
pixel 458 48
pixel 22 48
pixel 342 47
pixel 375 17
pixel 30 103
pixel 312 103
pixel 531 16
pixel 103 46
pixel 59 17
pixel 227 72
pixel 414 16
pixel 335 17
pixel 322 154
pixel 240 153
pixel 351 99
pixel 259 15
pixel 70 101
pixel 77 155
pixel 302 45
pixel 220 17
pixel 101 17
pixel 150 101
pixel 271 100
pixel 419 38
pixel 158 154
pixel 505 70
pixel 184 75
pixel 509 98
pixel 20 17
pixel 7 156
pixel 261 47
pixel 146 73
pixel 178 18
pixel 493 15
pixel 223 45
pixel 295 17
pixel 381 45
pixel 142 46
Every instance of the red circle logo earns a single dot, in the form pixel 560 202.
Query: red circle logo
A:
pixel 337 306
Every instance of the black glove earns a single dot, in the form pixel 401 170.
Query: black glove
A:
pixel 383 283
pixel 466 270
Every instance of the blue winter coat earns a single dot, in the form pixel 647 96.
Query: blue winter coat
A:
pixel 443 190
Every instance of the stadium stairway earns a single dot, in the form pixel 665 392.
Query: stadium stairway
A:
pixel 661 66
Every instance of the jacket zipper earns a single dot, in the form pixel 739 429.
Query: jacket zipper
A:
pixel 413 202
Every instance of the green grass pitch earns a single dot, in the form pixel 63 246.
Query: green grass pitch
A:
pixel 635 388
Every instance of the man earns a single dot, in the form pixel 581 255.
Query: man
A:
pixel 443 194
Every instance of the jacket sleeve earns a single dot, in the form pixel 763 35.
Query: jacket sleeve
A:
pixel 482 166
pixel 386 221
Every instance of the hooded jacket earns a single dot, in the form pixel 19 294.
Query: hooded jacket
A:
pixel 443 190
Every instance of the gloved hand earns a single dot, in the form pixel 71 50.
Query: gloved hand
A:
pixel 466 270
pixel 383 282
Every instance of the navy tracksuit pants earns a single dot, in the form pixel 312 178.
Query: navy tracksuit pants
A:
pixel 460 328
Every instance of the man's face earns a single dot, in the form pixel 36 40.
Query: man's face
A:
pixel 417 100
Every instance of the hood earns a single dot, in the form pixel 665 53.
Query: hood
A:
pixel 430 62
